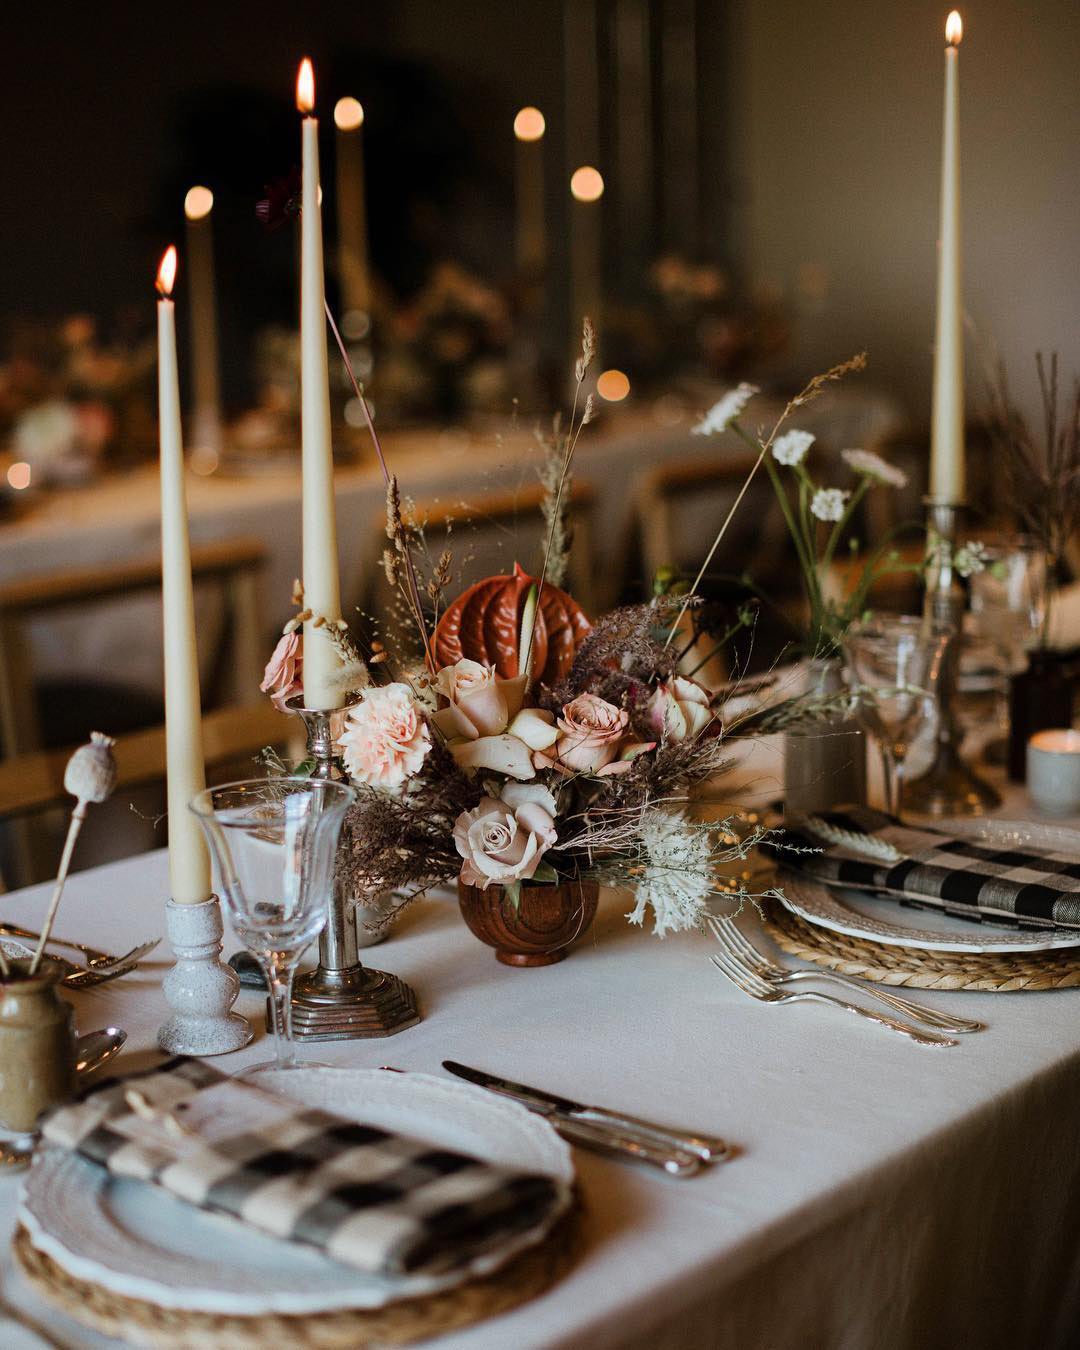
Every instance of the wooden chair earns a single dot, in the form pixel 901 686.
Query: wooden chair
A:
pixel 32 784
pixel 35 781
pixel 232 566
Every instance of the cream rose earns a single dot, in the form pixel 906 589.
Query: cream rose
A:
pixel 679 709
pixel 484 723
pixel 385 740
pixel 503 840
pixel 282 674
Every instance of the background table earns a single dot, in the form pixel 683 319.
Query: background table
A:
pixel 887 1195
pixel 117 519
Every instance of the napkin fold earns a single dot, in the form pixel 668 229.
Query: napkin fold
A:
pixel 969 878
pixel 380 1202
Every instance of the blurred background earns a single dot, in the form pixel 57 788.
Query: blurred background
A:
pixel 734 191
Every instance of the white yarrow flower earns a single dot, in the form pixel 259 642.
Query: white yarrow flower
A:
pixel 678 876
pixel 722 413
pixel 791 447
pixel 971 558
pixel 865 461
pixel 828 503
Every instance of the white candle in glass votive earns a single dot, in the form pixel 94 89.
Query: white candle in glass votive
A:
pixel 189 862
pixel 1053 771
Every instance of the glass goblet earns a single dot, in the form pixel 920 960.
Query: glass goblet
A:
pixel 273 841
pixel 896 660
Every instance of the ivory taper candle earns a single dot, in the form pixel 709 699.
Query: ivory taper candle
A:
pixel 947 422
pixel 189 863
pixel 205 428
pixel 530 239
pixel 586 259
pixel 320 561
pixel 353 268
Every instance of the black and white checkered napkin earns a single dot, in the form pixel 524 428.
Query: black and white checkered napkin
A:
pixel 376 1201
pixel 966 877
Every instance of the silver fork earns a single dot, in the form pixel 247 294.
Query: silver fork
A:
pixel 730 936
pixel 87 979
pixel 114 965
pixel 743 978
pixel 95 958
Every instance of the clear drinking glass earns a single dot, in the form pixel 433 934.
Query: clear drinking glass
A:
pixel 897 660
pixel 273 841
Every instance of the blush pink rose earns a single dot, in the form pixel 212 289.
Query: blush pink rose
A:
pixel 679 709
pixel 385 740
pixel 282 674
pixel 503 840
pixel 592 739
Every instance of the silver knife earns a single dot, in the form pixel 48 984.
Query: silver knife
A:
pixel 675 1162
pixel 706 1148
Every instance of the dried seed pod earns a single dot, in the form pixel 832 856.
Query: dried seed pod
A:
pixel 91 771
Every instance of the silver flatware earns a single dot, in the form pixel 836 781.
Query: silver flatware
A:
pixel 705 1148
pixel 743 978
pixel 95 957
pixel 734 940
pixel 87 979
pixel 97 1048
pixel 606 1139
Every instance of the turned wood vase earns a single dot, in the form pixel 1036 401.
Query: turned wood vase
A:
pixel 538 930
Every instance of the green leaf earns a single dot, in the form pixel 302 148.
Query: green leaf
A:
pixel 546 874
pixel 513 894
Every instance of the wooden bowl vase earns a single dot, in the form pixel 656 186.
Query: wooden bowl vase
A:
pixel 539 929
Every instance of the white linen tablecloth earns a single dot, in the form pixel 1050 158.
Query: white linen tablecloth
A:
pixel 887 1195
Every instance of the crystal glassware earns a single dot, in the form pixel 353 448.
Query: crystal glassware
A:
pixel 273 841
pixel 896 660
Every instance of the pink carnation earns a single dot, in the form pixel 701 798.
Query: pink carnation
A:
pixel 386 739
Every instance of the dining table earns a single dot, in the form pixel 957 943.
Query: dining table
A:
pixel 882 1193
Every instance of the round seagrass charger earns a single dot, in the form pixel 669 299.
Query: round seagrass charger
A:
pixel 148 1324
pixel 912 968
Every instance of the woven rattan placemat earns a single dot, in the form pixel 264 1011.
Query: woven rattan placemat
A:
pixel 147 1324
pixel 912 968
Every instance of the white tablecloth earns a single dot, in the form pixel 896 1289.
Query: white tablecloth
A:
pixel 887 1196
pixel 118 519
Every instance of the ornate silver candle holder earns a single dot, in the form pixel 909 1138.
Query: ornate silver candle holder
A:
pixel 949 787
pixel 342 999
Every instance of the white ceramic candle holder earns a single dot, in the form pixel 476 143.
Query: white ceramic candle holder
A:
pixel 200 989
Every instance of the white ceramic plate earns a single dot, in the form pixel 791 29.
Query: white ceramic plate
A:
pixel 880 919
pixel 138 1241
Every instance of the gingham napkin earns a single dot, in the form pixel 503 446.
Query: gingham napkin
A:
pixel 376 1201
pixel 969 878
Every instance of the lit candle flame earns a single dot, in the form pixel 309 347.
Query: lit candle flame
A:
pixel 586 184
pixel 348 114
pixel 954 28
pixel 305 87
pixel 198 202
pixel 166 273
pixel 529 124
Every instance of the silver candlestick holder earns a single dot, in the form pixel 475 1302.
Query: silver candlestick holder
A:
pixel 949 787
pixel 342 999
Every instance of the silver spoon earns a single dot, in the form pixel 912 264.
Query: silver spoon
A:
pixel 91 1052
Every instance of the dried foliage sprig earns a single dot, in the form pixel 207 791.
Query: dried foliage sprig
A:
pixel 553 511
pixel 412 588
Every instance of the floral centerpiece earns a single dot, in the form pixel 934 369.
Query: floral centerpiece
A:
pixel 532 755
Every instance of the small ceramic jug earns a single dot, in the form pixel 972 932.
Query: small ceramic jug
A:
pixel 37 1044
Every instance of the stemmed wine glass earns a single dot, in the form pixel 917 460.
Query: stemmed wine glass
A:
pixel 273 841
pixel 896 660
